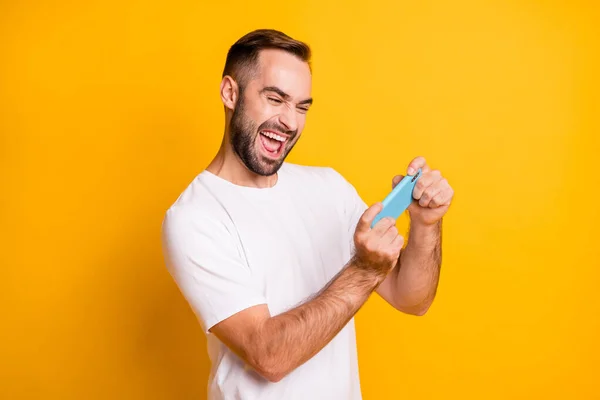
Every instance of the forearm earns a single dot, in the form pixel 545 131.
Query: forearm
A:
pixel 288 340
pixel 418 276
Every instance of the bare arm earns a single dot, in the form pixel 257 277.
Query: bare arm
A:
pixel 412 286
pixel 274 346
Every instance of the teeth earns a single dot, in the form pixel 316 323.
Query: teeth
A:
pixel 274 136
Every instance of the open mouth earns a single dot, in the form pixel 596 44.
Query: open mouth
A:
pixel 272 143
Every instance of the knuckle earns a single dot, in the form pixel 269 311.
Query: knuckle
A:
pixel 370 246
pixel 392 253
pixel 359 239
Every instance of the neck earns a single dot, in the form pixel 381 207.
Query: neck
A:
pixel 227 165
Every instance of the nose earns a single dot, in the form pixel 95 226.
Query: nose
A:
pixel 288 118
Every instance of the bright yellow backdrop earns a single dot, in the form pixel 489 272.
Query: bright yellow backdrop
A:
pixel 109 108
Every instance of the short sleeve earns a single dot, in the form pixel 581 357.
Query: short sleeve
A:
pixel 353 206
pixel 203 259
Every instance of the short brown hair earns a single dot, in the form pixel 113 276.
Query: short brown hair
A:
pixel 242 57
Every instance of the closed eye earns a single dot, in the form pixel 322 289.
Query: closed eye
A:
pixel 275 100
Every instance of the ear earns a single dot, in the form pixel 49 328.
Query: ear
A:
pixel 229 92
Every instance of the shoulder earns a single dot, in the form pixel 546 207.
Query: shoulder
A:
pixel 196 210
pixel 324 179
pixel 315 173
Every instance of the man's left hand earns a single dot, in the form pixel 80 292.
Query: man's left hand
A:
pixel 432 194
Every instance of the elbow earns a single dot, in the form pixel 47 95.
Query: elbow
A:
pixel 416 310
pixel 262 357
pixel 267 357
pixel 266 363
pixel 417 305
pixel 266 367
pixel 419 312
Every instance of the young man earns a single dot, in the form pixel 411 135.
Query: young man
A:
pixel 275 258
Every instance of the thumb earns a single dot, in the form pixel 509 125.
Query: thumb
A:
pixel 364 223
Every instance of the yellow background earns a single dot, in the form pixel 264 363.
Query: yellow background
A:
pixel 108 109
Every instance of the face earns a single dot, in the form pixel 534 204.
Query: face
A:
pixel 271 112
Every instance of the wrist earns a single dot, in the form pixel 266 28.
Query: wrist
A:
pixel 366 273
pixel 425 227
pixel 424 235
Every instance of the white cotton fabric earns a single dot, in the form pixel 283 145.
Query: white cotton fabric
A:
pixel 231 247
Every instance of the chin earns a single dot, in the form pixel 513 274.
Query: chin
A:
pixel 260 164
pixel 268 168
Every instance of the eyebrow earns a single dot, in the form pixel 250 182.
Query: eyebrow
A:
pixel 284 94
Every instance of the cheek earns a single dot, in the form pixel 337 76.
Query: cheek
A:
pixel 256 114
pixel 262 117
pixel 301 122
pixel 301 125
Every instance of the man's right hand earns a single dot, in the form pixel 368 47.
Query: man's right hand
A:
pixel 377 248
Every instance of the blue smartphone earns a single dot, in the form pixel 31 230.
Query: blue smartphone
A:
pixel 399 198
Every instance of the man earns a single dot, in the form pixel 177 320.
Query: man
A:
pixel 275 258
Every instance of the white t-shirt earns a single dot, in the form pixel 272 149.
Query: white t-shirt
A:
pixel 230 247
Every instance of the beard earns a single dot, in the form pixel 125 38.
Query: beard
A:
pixel 243 134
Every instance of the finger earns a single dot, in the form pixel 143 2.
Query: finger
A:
pixel 429 194
pixel 415 164
pixel 436 201
pixel 398 242
pixel 425 181
pixel 364 223
pixel 383 225
pixel 396 180
pixel 390 234
pixel 442 199
pixel 433 191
